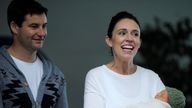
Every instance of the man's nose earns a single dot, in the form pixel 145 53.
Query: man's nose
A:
pixel 42 32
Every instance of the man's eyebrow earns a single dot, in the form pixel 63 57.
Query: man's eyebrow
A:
pixel 33 24
pixel 36 24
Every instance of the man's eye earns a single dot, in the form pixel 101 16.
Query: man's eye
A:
pixel 34 26
pixel 45 26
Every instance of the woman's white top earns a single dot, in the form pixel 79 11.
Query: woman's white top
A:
pixel 105 88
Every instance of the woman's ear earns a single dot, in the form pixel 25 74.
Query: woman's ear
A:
pixel 140 42
pixel 14 27
pixel 108 41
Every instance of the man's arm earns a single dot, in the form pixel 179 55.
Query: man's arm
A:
pixel 62 102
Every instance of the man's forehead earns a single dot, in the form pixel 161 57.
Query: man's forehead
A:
pixel 36 18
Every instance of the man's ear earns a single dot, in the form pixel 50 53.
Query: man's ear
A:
pixel 108 41
pixel 14 27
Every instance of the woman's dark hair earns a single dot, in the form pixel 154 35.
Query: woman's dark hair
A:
pixel 18 9
pixel 119 16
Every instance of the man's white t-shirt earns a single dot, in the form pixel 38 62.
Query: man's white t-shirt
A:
pixel 105 88
pixel 32 72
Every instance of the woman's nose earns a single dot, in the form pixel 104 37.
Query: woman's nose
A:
pixel 129 37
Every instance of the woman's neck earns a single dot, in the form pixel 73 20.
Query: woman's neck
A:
pixel 124 68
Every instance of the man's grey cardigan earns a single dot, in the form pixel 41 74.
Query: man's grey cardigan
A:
pixel 15 91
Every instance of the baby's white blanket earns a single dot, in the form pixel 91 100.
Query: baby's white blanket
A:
pixel 151 104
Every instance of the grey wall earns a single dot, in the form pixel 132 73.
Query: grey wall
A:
pixel 76 31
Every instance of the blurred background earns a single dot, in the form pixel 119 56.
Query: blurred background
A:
pixel 76 32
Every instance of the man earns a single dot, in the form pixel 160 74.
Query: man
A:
pixel 28 79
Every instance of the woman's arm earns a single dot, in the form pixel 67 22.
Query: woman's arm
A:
pixel 92 94
pixel 92 100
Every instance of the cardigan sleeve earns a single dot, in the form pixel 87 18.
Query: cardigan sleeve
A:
pixel 1 101
pixel 62 101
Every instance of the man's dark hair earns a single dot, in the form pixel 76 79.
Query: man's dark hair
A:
pixel 18 9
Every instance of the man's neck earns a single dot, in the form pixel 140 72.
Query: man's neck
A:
pixel 22 54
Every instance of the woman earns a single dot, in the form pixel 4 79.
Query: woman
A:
pixel 120 82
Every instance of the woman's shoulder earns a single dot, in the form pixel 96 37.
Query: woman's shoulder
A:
pixel 96 70
pixel 146 71
pixel 95 74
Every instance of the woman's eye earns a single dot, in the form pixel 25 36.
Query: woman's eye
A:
pixel 122 33
pixel 136 34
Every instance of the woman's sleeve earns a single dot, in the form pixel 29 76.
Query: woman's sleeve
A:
pixel 92 94
pixel 159 85
pixel 161 92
